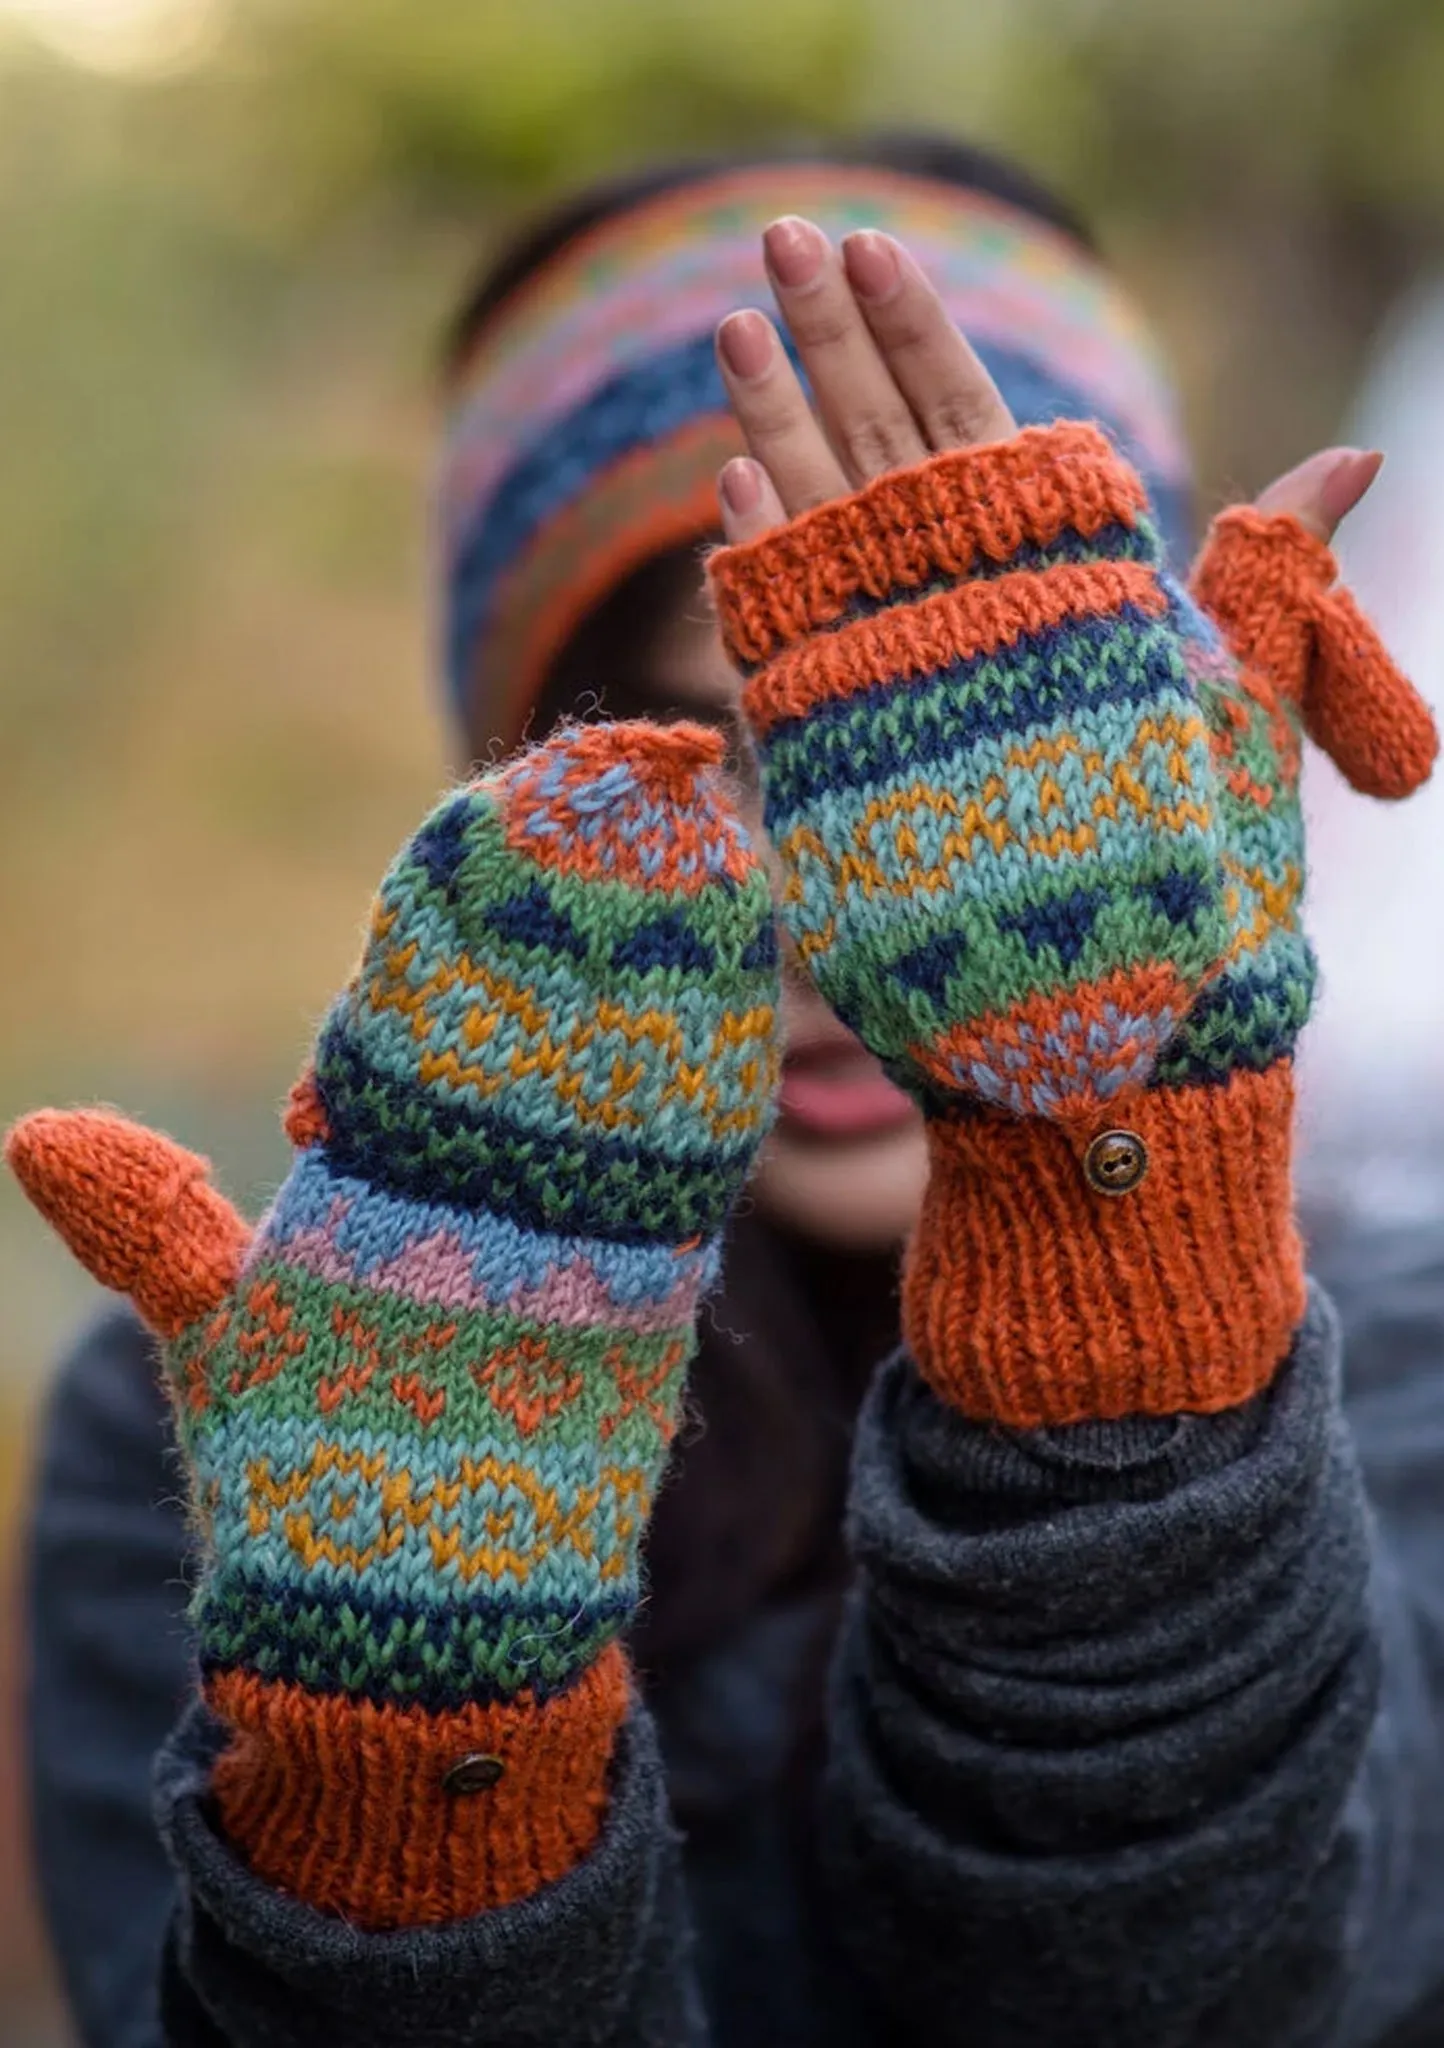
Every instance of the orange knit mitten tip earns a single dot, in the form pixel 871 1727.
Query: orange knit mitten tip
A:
pixel 137 1210
pixel 1272 587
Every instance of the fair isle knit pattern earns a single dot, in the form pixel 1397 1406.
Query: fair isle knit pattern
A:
pixel 590 421
pixel 427 1425
pixel 988 771
pixel 436 1438
pixel 424 1405
pixel 427 1401
pixel 1253 1008
pixel 1036 809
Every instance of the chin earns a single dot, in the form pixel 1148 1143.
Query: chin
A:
pixel 857 1193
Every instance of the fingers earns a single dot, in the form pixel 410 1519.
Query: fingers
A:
pixel 866 417
pixel 1321 492
pixel 892 377
pixel 772 411
pixel 949 392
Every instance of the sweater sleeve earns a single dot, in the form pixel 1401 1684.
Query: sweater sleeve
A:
pixel 166 1936
pixel 1138 1727
pixel 601 1959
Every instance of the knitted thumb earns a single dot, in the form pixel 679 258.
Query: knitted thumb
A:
pixel 137 1210
pixel 1272 588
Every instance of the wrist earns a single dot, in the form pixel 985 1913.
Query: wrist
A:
pixel 395 1816
pixel 1030 1298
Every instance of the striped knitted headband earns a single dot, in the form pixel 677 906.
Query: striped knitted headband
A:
pixel 589 421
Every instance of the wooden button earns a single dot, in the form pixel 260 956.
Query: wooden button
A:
pixel 474 1773
pixel 1115 1162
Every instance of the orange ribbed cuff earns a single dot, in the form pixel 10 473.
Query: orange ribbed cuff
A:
pixel 346 1805
pixel 912 527
pixel 1030 1299
pixel 909 641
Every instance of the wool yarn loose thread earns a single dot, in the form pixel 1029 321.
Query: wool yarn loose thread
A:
pixel 426 1403
pixel 1040 830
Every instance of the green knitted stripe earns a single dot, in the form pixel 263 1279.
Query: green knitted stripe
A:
pixel 991 967
pixel 604 913
pixel 477 1653
pixel 497 1371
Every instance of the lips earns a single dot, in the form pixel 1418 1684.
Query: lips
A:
pixel 834 1088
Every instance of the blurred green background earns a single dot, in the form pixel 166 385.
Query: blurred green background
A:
pixel 230 237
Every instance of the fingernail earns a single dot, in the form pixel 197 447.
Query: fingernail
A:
pixel 745 340
pixel 795 250
pixel 741 486
pixel 870 261
pixel 1348 481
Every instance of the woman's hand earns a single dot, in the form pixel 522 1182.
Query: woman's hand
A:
pixel 894 382
pixel 893 378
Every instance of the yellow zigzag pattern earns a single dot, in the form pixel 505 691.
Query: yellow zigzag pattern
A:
pixel 1277 904
pixel 555 1058
pixel 402 1506
pixel 859 867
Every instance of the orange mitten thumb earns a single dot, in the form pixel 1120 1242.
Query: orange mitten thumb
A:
pixel 137 1210
pixel 1272 588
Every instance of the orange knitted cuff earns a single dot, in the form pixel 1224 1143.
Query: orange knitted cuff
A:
pixel 908 643
pixel 933 522
pixel 391 1816
pixel 1031 1298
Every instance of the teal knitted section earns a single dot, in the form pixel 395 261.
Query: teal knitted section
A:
pixel 428 1427
pixel 1040 838
pixel 1252 1011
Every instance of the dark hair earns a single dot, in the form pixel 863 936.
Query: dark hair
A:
pixel 608 657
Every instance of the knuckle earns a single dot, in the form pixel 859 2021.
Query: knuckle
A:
pixel 772 411
pixel 774 424
pixel 878 440
pixel 822 327
pixel 907 334
pixel 961 418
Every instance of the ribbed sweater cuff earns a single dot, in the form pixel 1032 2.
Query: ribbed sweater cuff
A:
pixel 396 1816
pixel 943 520
pixel 1031 1299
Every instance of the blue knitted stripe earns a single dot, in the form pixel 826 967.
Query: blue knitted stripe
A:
pixel 405 1138
pixel 642 406
pixel 386 1650
pixel 533 1518
pixel 1043 680
pixel 370 1226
